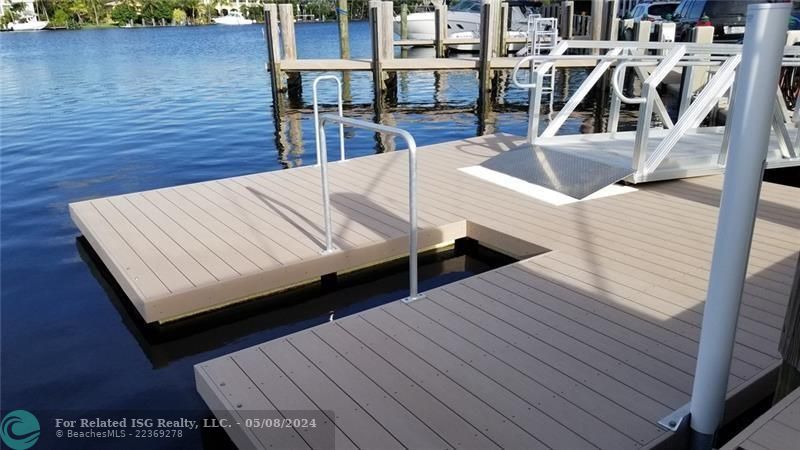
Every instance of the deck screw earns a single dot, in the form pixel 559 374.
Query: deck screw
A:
pixel 672 423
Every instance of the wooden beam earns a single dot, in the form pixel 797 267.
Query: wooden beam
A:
pixel 273 49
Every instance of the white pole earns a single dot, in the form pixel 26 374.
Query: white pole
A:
pixel 750 129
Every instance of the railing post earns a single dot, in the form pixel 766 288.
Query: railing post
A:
pixel 326 196
pixel 413 244
pixel 761 60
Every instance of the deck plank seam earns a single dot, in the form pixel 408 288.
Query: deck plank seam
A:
pixel 389 394
pixel 287 229
pixel 509 419
pixel 688 310
pixel 133 249
pixel 456 413
pixel 621 309
pixel 416 308
pixel 198 238
pixel 235 219
pixel 366 411
pixel 257 230
pixel 325 412
pixel 317 213
pixel 692 304
pixel 171 236
pixel 593 330
pixel 208 219
pixel 139 297
pixel 522 372
pixel 610 359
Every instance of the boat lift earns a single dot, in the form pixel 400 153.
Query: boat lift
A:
pixel 578 165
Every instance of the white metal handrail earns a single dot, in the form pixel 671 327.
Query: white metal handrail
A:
pixel 723 58
pixel 316 114
pixel 413 290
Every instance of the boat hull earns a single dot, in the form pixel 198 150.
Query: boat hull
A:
pixel 34 25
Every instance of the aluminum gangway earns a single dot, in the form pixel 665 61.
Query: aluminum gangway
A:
pixel 666 148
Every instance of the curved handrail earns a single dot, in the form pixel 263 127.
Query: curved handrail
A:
pixel 316 113
pixel 413 293
pixel 616 81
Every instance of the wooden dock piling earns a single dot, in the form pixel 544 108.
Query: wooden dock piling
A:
pixel 289 45
pixel 487 49
pixel 440 21
pixel 273 49
pixel 404 29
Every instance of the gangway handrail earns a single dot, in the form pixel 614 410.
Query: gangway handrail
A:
pixel 413 291
pixel 316 114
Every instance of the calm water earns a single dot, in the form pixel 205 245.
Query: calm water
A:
pixel 96 113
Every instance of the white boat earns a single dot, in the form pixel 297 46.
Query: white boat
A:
pixel 234 17
pixel 28 22
pixel 463 21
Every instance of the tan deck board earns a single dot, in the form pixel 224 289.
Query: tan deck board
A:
pixel 306 204
pixel 776 429
pixel 239 244
pixel 169 275
pixel 158 206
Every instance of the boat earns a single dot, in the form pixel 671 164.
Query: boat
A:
pixel 233 17
pixel 28 22
pixel 463 22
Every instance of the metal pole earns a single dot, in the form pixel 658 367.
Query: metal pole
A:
pixel 326 198
pixel 750 129
pixel 316 114
pixel 413 290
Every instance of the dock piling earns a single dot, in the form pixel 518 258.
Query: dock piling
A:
pixel 404 28
pixel 289 45
pixel 440 20
pixel 567 11
pixel 487 48
pixel 273 49
pixel 343 20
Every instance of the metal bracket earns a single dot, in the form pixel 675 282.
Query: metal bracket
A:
pixel 413 298
pixel 673 421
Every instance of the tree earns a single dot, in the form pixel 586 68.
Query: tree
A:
pixel 178 17
pixel 124 13
pixel 60 18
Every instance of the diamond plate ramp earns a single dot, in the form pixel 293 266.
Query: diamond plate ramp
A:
pixel 570 174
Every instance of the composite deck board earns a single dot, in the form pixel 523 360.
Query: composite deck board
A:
pixel 587 345
pixel 776 429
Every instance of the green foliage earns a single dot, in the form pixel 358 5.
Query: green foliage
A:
pixel 124 13
pixel 60 18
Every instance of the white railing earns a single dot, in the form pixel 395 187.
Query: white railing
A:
pixel 722 59
pixel 322 153
pixel 316 114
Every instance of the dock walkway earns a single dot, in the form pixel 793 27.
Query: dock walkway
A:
pixel 588 344
pixel 777 429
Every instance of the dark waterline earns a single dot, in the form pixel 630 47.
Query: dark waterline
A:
pixel 102 112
